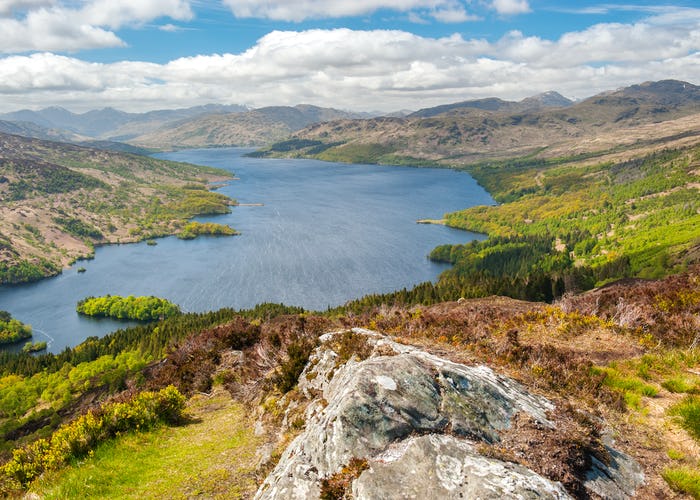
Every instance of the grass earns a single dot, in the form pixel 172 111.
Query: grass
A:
pixel 684 480
pixel 682 384
pixel 637 378
pixel 687 411
pixel 631 387
pixel 214 456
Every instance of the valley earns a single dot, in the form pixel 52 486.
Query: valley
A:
pixel 557 351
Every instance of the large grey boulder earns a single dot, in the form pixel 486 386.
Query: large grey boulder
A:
pixel 445 467
pixel 415 418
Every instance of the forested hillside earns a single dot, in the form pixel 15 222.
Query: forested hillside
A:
pixel 57 201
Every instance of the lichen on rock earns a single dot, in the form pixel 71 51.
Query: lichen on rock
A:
pixel 417 420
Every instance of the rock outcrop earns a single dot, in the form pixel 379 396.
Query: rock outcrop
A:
pixel 419 425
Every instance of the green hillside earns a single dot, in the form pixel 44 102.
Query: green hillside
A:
pixel 58 200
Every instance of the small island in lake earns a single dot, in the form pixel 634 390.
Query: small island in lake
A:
pixel 34 346
pixel 194 229
pixel 12 330
pixel 137 308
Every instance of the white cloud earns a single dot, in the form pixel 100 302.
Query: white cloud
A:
pixel 448 11
pixel 125 12
pixel 511 7
pixel 171 28
pixel 60 27
pixel 8 7
pixel 284 10
pixel 453 15
pixel 368 70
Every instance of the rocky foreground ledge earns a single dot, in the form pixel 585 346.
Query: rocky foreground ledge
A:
pixel 390 421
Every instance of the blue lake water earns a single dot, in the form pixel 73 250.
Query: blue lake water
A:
pixel 327 233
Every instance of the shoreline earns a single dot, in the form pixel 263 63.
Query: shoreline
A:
pixel 437 222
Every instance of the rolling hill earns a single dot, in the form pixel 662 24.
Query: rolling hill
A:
pixel 31 129
pixel 464 134
pixel 58 200
pixel 251 128
pixel 112 124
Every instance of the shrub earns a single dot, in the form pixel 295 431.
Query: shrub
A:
pixel 79 437
pixel 349 344
pixel 338 485
pixel 298 353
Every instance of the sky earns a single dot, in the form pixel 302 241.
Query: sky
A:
pixel 359 55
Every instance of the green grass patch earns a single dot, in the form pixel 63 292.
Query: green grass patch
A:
pixel 675 455
pixel 687 412
pixel 214 456
pixel 684 480
pixel 631 387
pixel 681 384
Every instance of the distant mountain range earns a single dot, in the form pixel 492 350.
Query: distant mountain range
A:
pixel 549 99
pixel 251 128
pixel 267 125
pixel 112 124
pixel 547 125
pixel 467 131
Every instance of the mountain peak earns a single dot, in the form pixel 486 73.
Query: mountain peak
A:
pixel 549 99
pixel 668 93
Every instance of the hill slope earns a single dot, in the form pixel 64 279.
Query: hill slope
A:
pixel 579 398
pixel 109 123
pixel 468 135
pixel 549 99
pixel 58 200
pixel 251 128
pixel 30 129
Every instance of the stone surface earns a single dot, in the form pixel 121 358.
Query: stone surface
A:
pixel 415 418
pixel 617 480
pixel 446 467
